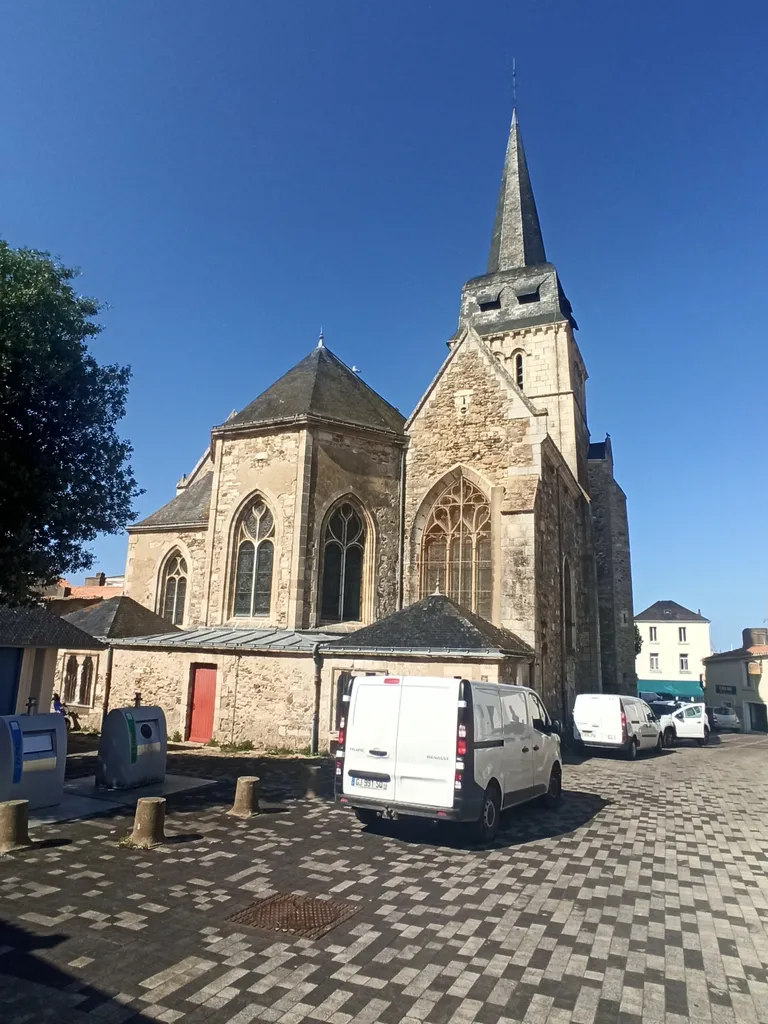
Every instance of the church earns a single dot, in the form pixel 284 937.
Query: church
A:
pixel 323 534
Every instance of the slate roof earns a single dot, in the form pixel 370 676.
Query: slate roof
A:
pixel 119 617
pixel 669 611
pixel 189 508
pixel 234 638
pixel 740 654
pixel 36 627
pixel 434 625
pixel 324 387
pixel 517 240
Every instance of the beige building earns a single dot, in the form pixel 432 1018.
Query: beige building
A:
pixel 676 642
pixel 319 510
pixel 738 679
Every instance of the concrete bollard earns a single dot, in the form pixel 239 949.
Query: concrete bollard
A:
pixel 149 823
pixel 246 797
pixel 313 781
pixel 14 825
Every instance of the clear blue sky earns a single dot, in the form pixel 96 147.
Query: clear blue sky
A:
pixel 230 176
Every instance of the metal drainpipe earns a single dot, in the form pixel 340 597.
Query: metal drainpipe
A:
pixel 401 544
pixel 107 686
pixel 317 658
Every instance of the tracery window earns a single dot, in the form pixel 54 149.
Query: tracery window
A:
pixel 343 552
pixel 519 371
pixel 456 548
pixel 254 560
pixel 174 589
pixel 70 680
pixel 86 681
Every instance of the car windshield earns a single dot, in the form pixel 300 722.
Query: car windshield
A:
pixel 663 707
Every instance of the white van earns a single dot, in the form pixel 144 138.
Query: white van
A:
pixel 612 722
pixel 445 749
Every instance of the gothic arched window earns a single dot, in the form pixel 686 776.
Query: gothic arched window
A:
pixel 174 589
pixel 519 373
pixel 568 606
pixel 70 679
pixel 456 548
pixel 254 559
pixel 343 551
pixel 86 681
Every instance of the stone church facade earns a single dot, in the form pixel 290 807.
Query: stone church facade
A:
pixel 319 510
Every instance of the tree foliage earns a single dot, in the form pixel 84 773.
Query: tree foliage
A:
pixel 638 641
pixel 65 474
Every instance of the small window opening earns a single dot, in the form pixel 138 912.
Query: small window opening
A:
pixel 486 305
pixel 519 375
pixel 528 297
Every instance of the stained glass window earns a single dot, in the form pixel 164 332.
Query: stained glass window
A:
pixel 174 589
pixel 255 553
pixel 456 552
pixel 343 551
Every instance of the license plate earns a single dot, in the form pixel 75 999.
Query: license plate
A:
pixel 368 784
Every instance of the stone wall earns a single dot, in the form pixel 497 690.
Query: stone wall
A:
pixel 346 462
pixel 147 556
pixel 614 578
pixel 474 422
pixel 265 463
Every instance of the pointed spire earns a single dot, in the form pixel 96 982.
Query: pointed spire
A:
pixel 321 339
pixel 517 240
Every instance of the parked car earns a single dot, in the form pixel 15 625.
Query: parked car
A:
pixel 681 721
pixel 448 749
pixel 723 718
pixel 608 721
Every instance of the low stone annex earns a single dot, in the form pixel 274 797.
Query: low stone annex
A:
pixel 319 510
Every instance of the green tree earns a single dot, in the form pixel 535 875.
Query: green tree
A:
pixel 638 641
pixel 64 471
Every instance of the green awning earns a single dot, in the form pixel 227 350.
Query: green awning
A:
pixel 675 687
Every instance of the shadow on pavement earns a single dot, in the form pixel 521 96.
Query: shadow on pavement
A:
pixel 42 991
pixel 520 825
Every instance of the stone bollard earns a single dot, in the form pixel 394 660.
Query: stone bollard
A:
pixel 313 781
pixel 14 825
pixel 246 797
pixel 149 823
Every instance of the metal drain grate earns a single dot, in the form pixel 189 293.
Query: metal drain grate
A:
pixel 303 916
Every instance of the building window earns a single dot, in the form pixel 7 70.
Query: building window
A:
pixel 654 663
pixel 653 634
pixel 86 682
pixel 683 662
pixel 254 560
pixel 624 618
pixel 682 634
pixel 343 551
pixel 568 605
pixel 456 552
pixel 70 680
pixel 519 373
pixel 174 589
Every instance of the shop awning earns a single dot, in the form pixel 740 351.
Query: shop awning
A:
pixel 671 687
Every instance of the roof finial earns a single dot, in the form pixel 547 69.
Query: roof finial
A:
pixel 321 339
pixel 514 84
pixel 437 591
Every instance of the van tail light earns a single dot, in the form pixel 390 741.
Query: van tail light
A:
pixel 458 780
pixel 342 734
pixel 339 767
pixel 392 680
pixel 623 726
pixel 461 748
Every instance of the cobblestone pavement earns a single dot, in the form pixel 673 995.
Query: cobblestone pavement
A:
pixel 643 899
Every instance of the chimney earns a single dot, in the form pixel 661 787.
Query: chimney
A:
pixel 755 637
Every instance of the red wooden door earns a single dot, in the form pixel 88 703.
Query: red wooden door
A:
pixel 202 701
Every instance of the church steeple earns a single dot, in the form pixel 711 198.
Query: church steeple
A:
pixel 517 240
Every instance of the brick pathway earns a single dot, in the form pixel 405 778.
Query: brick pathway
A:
pixel 644 899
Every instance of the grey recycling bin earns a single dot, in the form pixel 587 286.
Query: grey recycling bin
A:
pixel 33 758
pixel 133 748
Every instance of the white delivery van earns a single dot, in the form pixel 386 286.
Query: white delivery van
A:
pixel 445 749
pixel 612 722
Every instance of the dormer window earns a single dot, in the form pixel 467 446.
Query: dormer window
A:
pixel 528 297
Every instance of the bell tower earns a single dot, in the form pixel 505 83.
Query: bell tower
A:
pixel 520 309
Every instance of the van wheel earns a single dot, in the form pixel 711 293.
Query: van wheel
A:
pixel 555 789
pixel 669 737
pixel 659 745
pixel 630 751
pixel 487 825
pixel 365 815
pixel 705 741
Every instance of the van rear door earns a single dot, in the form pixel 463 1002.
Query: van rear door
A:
pixel 597 717
pixel 371 738
pixel 426 741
